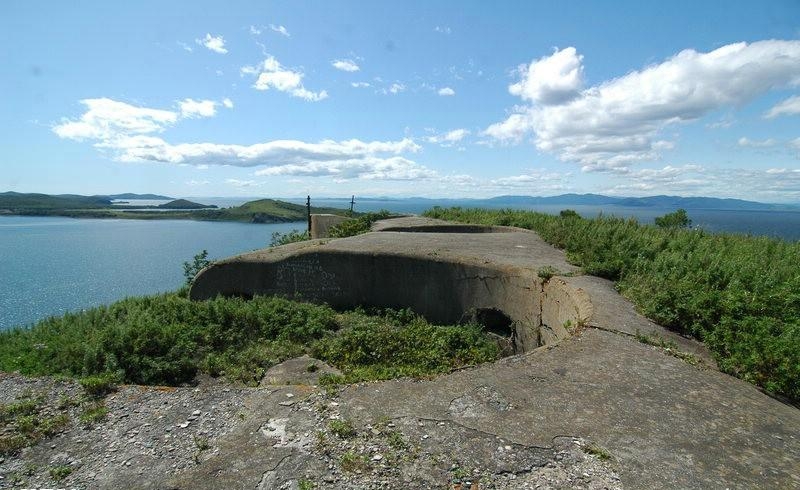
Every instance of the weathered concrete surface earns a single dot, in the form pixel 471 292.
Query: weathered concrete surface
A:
pixel 322 223
pixel 666 423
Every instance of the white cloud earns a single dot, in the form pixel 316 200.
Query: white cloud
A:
pixel 360 84
pixel 214 43
pixel 722 123
pixel 795 143
pixel 367 168
pixel 243 183
pixel 449 138
pixel 513 129
pixel 255 30
pixel 106 118
pixel 748 143
pixel 345 65
pixel 788 107
pixel 271 74
pixel 185 46
pixel 197 183
pixel 127 131
pixel 280 30
pixel 228 103
pixel 446 91
pixel 535 180
pixel 443 29
pixel 617 123
pixel 394 88
pixel 552 79
pixel 197 108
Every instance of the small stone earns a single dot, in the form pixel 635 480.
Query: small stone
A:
pixel 425 436
pixel 184 425
pixel 287 403
pixel 196 413
pixel 289 395
pixel 377 457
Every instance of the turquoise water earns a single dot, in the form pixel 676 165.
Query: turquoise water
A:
pixel 49 266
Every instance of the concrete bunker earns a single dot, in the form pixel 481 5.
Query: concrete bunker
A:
pixel 447 229
pixel 512 303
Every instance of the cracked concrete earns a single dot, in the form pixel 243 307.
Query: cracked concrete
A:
pixel 591 408
pixel 585 374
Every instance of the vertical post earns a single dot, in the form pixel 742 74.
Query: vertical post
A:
pixel 308 209
pixel 352 203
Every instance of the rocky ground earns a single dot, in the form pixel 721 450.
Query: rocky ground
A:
pixel 272 437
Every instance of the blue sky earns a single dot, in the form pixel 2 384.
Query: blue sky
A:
pixel 380 98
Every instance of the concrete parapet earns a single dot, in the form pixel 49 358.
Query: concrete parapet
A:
pixel 322 223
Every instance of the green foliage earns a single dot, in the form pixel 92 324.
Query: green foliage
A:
pixel 394 345
pixel 569 214
pixel 357 226
pixel 93 413
pixel 25 422
pixel 168 339
pixel 342 429
pixel 739 294
pixel 305 484
pixel 547 272
pixel 678 219
pixel 99 385
pixel 596 450
pixel 198 263
pixel 293 236
pixel 60 472
pixel 351 462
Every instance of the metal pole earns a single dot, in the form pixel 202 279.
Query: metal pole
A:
pixel 352 203
pixel 308 209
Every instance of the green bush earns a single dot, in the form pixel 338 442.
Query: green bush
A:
pixel 739 294
pixel 678 219
pixel 357 226
pixel 168 340
pixel 198 263
pixel 293 236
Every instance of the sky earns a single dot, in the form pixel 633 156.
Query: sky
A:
pixel 402 98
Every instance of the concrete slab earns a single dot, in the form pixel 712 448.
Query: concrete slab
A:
pixel 585 374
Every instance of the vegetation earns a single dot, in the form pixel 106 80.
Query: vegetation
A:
pixel 198 263
pixel 25 422
pixel 357 226
pixel 168 339
pixel 739 294
pixel 678 219
pixel 293 236
pixel 342 429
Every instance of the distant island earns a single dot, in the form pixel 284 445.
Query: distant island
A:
pixel 76 206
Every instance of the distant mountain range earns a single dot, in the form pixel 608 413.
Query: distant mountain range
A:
pixel 149 197
pixel 674 202
pixel 650 201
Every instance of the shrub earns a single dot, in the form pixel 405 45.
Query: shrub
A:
pixel 198 263
pixel 167 339
pixel 678 219
pixel 357 226
pixel 293 236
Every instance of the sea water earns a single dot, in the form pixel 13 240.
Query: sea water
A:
pixel 51 265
